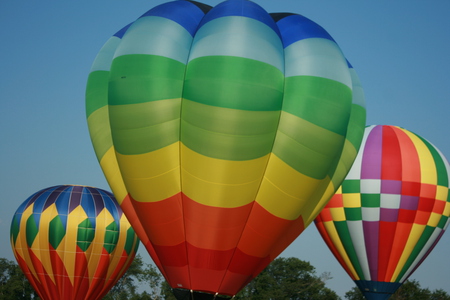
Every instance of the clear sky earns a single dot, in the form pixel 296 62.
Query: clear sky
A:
pixel 400 50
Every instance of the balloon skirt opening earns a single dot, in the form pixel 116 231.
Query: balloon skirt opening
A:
pixel 377 290
pixel 183 294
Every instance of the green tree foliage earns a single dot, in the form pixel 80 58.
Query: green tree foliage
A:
pixel 13 284
pixel 288 278
pixel 408 290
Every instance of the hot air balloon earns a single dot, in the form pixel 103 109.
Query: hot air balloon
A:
pixel 390 211
pixel 72 242
pixel 223 131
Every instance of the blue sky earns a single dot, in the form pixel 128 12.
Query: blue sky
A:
pixel 400 50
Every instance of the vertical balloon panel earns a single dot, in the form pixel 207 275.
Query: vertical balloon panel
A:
pixel 72 242
pixel 224 131
pixel 390 211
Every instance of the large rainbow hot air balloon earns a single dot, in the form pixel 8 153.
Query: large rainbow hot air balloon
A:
pixel 223 131
pixel 72 242
pixel 390 211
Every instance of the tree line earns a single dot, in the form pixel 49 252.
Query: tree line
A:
pixel 285 278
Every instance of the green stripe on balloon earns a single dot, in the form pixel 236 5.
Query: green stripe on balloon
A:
pixel 111 237
pixel 441 170
pixel 226 133
pixel 358 116
pixel 85 234
pixel 351 186
pixel 442 222
pixel 130 241
pixel 56 232
pixel 145 127
pixel 96 91
pixel 344 234
pixel 32 230
pixel 234 82
pixel 140 78
pixel 15 228
pixel 321 101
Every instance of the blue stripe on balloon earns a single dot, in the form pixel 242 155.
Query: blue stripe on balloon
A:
pixel 88 206
pixel 242 8
pixel 111 205
pixel 295 27
pixel 122 31
pixel 184 13
pixel 63 200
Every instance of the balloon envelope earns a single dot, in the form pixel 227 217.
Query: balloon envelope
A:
pixel 390 211
pixel 223 131
pixel 72 242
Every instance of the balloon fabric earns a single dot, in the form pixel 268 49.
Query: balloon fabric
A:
pixel 222 132
pixel 72 242
pixel 391 210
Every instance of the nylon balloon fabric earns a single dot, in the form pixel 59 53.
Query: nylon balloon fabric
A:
pixel 223 131
pixel 391 210
pixel 72 242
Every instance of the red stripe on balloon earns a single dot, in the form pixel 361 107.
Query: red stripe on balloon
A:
pixel 385 247
pixel 81 278
pixel 39 285
pixel 99 277
pixel 391 162
pixel 63 285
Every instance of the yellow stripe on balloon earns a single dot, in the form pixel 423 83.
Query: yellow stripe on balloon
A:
pixel 427 164
pixel 447 209
pixel 336 241
pixel 284 191
pixel 112 173
pixel 157 171
pixel 120 245
pixel 95 250
pixel 68 245
pixel 351 200
pixel 434 219
pixel 311 210
pixel 338 214
pixel 42 239
pixel 441 193
pixel 414 235
pixel 218 182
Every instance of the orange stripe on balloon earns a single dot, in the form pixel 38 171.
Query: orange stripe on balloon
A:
pixel 266 234
pixel 129 210
pixel 409 157
pixel 163 220
pixel 401 237
pixel 215 228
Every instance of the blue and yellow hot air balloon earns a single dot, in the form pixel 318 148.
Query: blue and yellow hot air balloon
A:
pixel 223 131
pixel 390 211
pixel 72 242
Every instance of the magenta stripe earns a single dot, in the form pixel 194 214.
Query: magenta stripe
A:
pixel 371 160
pixel 371 233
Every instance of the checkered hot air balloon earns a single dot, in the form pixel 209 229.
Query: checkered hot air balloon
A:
pixel 390 211
pixel 72 242
pixel 223 131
